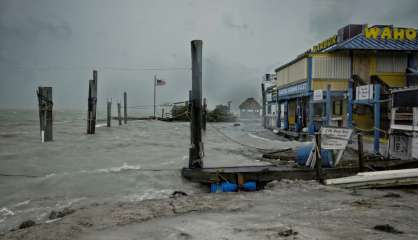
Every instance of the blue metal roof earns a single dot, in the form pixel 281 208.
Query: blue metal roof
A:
pixel 360 42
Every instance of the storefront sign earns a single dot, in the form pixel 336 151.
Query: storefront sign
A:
pixel 318 95
pixel 299 88
pixel 325 44
pixel 388 33
pixel 335 138
pixel 364 92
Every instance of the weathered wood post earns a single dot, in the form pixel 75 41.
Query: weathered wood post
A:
pixel 45 112
pixel 162 113
pixel 318 162
pixel 360 152
pixel 92 102
pixel 196 150
pixel 119 114
pixel 204 115
pixel 263 111
pixel 125 108
pixel 109 113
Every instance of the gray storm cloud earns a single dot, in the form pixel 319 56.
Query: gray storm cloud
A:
pixel 58 43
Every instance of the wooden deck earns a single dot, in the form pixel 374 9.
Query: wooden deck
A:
pixel 261 173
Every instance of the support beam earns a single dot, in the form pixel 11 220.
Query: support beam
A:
pixel 92 104
pixel 328 106
pixel 286 115
pixel 125 107
pixel 298 115
pixel 311 126
pixel 196 150
pixel 350 94
pixel 119 114
pixel 376 144
pixel 279 113
pixel 45 112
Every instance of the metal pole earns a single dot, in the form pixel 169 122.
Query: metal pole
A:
pixel 155 92
pixel 376 145
pixel 350 95
pixel 196 153
pixel 311 115
pixel 125 107
pixel 318 161
pixel 286 114
pixel 263 111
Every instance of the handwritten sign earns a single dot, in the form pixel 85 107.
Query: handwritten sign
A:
pixel 335 138
pixel 364 92
pixel 318 95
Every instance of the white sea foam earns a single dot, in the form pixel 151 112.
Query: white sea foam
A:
pixel 150 194
pixel 124 167
pixel 6 212
pixel 101 125
pixel 22 203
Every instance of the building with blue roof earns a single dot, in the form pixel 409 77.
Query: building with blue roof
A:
pixel 320 87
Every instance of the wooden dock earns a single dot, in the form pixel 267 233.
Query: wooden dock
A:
pixel 261 174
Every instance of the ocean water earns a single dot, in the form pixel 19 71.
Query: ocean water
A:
pixel 133 162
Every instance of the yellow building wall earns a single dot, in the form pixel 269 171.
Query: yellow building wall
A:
pixel 365 65
pixel 336 84
pixel 292 112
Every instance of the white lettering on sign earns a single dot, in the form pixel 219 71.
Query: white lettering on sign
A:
pixel 364 92
pixel 318 95
pixel 335 138
pixel 293 89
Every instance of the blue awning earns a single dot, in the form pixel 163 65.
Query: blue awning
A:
pixel 360 42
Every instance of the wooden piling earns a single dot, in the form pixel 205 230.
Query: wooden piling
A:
pixel 360 152
pixel 92 103
pixel 125 107
pixel 204 115
pixel 318 162
pixel 162 113
pixel 119 114
pixel 196 150
pixel 109 113
pixel 45 112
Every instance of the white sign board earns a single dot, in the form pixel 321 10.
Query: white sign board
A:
pixel 364 92
pixel 318 95
pixel 335 138
pixel 268 97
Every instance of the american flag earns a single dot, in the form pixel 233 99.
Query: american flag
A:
pixel 160 82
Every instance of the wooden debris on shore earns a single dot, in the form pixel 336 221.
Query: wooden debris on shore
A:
pixel 287 154
pixel 390 178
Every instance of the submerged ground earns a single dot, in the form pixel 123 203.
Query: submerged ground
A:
pixel 119 183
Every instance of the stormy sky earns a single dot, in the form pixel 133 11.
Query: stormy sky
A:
pixel 59 42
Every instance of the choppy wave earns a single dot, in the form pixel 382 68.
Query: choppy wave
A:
pixel 124 167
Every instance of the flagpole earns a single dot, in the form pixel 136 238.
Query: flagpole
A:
pixel 155 91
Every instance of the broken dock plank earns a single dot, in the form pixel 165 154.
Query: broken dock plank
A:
pixel 261 173
pixel 390 178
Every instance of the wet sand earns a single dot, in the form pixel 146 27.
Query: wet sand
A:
pixel 285 210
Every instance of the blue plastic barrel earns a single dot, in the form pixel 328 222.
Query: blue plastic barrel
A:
pixel 250 186
pixel 223 187
pixel 302 154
